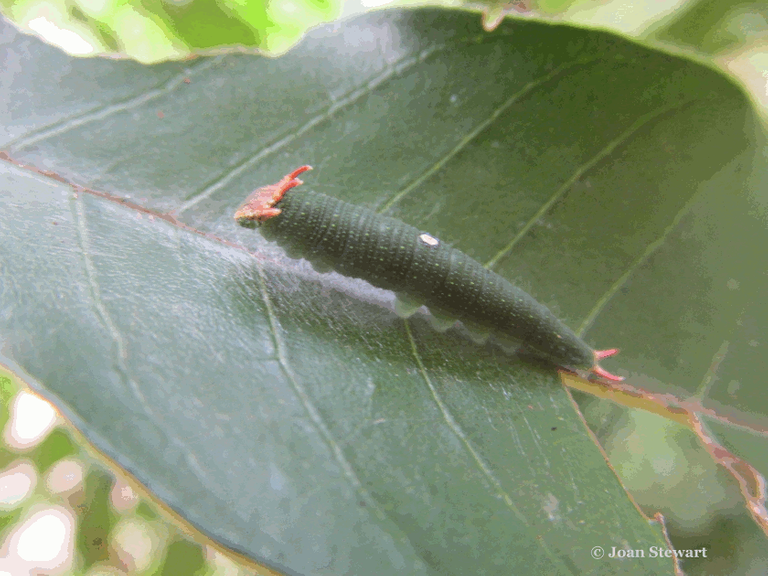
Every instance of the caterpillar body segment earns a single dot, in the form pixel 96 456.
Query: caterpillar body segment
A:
pixel 440 321
pixel 406 307
pixel 419 268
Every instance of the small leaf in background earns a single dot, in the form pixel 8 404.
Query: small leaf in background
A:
pixel 61 511
pixel 156 31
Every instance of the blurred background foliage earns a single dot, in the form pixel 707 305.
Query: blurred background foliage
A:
pixel 155 31
pixel 733 34
pixel 665 468
pixel 66 510
pixel 115 531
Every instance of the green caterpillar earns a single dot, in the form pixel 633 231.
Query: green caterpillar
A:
pixel 355 241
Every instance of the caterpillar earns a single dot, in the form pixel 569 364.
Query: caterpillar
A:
pixel 419 268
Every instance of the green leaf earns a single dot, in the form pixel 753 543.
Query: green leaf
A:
pixel 156 31
pixel 292 416
pixel 716 26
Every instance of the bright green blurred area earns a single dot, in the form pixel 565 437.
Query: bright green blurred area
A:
pixel 155 31
pixel 158 30
pixel 717 26
pixel 667 470
pixel 52 487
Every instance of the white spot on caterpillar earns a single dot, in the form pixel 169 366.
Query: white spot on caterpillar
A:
pixel 429 240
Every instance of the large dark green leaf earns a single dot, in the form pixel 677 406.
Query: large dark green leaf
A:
pixel 292 415
pixel 294 423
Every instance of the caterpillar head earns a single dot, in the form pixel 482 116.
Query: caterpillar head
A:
pixel 259 206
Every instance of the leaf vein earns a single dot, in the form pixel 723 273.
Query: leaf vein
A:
pixel 289 135
pixel 459 433
pixel 603 153
pixel 308 404
pixel 104 111
pixel 121 348
pixel 652 248
pixel 477 130
pixel 98 303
